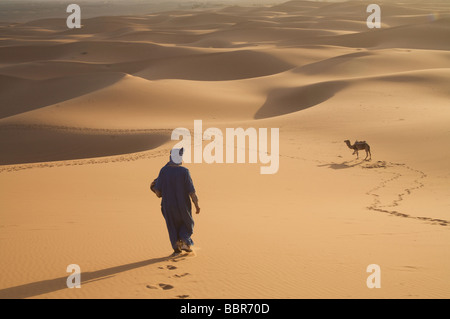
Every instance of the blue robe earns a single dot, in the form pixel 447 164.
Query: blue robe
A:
pixel 175 184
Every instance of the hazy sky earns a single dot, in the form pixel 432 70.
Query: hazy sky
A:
pixel 152 1
pixel 27 10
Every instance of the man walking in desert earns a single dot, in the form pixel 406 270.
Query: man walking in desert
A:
pixel 174 184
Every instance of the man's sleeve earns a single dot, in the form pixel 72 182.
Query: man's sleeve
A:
pixel 188 183
pixel 158 183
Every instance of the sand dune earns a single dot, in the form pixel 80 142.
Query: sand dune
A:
pixel 44 70
pixel 86 117
pixel 203 18
pixel 372 63
pixel 356 9
pixel 149 105
pixel 270 34
pixel 88 51
pixel 22 144
pixel 15 97
pixel 409 36
pixel 216 66
pixel 290 100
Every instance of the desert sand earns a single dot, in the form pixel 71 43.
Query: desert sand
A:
pixel 86 117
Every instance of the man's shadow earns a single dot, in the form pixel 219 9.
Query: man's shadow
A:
pixel 46 286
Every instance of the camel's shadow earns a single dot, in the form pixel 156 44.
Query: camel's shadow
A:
pixel 343 165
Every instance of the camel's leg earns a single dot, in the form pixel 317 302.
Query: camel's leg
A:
pixel 368 152
pixel 357 154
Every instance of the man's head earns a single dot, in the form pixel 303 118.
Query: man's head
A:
pixel 176 155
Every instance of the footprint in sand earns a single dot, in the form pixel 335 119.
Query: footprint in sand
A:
pixel 166 286
pixel 151 287
pixel 170 267
pixel 182 296
pixel 403 175
pixel 181 276
pixel 162 286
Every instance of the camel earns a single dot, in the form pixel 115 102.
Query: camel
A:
pixel 359 146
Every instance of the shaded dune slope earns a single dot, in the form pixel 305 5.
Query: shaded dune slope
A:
pixel 33 144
